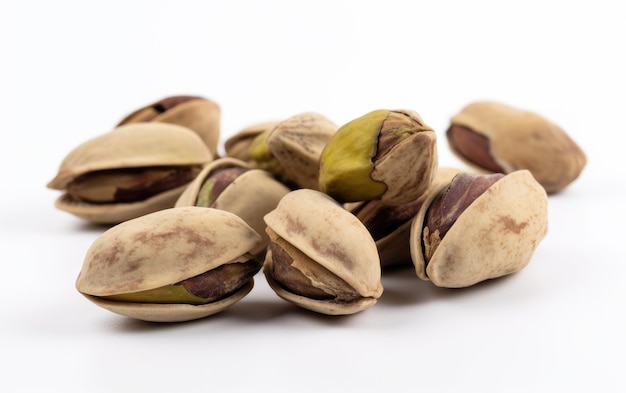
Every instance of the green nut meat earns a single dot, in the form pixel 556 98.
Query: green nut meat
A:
pixel 386 155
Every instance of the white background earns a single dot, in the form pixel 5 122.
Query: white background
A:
pixel 70 70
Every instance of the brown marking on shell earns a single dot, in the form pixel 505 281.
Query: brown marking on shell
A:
pixel 162 248
pixel 334 251
pixel 318 226
pixel 293 225
pixel 511 225
pixel 179 233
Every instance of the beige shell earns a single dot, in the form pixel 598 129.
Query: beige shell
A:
pixel 164 248
pixel 398 169
pixel 297 144
pixel 322 229
pixel 114 213
pixel 252 195
pixel 133 145
pixel 238 145
pixel 495 236
pixel 521 139
pixel 198 114
pixel 394 249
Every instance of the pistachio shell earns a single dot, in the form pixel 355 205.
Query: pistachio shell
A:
pixel 152 312
pixel 297 143
pixel 252 195
pixel 136 145
pixel 325 232
pixel 132 146
pixel 386 155
pixel 196 113
pixel 113 213
pixel 519 139
pixel 394 247
pixel 163 248
pixel 496 235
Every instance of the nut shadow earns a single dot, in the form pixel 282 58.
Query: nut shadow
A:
pixel 129 325
pixel 402 288
pixel 287 313
pixel 90 227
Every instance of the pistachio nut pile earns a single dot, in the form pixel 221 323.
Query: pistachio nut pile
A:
pixel 321 210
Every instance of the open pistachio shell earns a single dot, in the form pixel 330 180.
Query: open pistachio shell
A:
pixel 390 226
pixel 160 249
pixel 496 137
pixel 494 236
pixel 386 155
pixel 327 246
pixel 196 113
pixel 137 145
pixel 250 196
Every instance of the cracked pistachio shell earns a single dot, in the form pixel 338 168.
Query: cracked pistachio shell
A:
pixel 196 113
pixel 390 226
pixel 239 145
pixel 291 150
pixel 499 138
pixel 250 196
pixel 330 246
pixel 160 249
pixel 494 236
pixel 137 145
pixel 386 155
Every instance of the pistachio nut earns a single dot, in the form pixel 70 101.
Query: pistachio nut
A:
pixel 291 149
pixel 173 265
pixel 390 226
pixel 320 256
pixel 239 145
pixel 138 169
pixel 196 113
pixel 232 185
pixel 478 227
pixel 386 155
pixel 496 137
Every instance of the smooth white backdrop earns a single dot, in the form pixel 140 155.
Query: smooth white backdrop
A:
pixel 70 70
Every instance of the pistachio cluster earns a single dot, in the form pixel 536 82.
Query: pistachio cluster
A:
pixel 321 210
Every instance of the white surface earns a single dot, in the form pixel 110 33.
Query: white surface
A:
pixel 70 70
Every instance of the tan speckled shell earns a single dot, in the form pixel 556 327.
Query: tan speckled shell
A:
pixel 398 169
pixel 297 144
pixel 524 140
pixel 199 115
pixel 133 145
pixel 163 248
pixel 394 249
pixel 330 235
pixel 252 195
pixel 495 236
